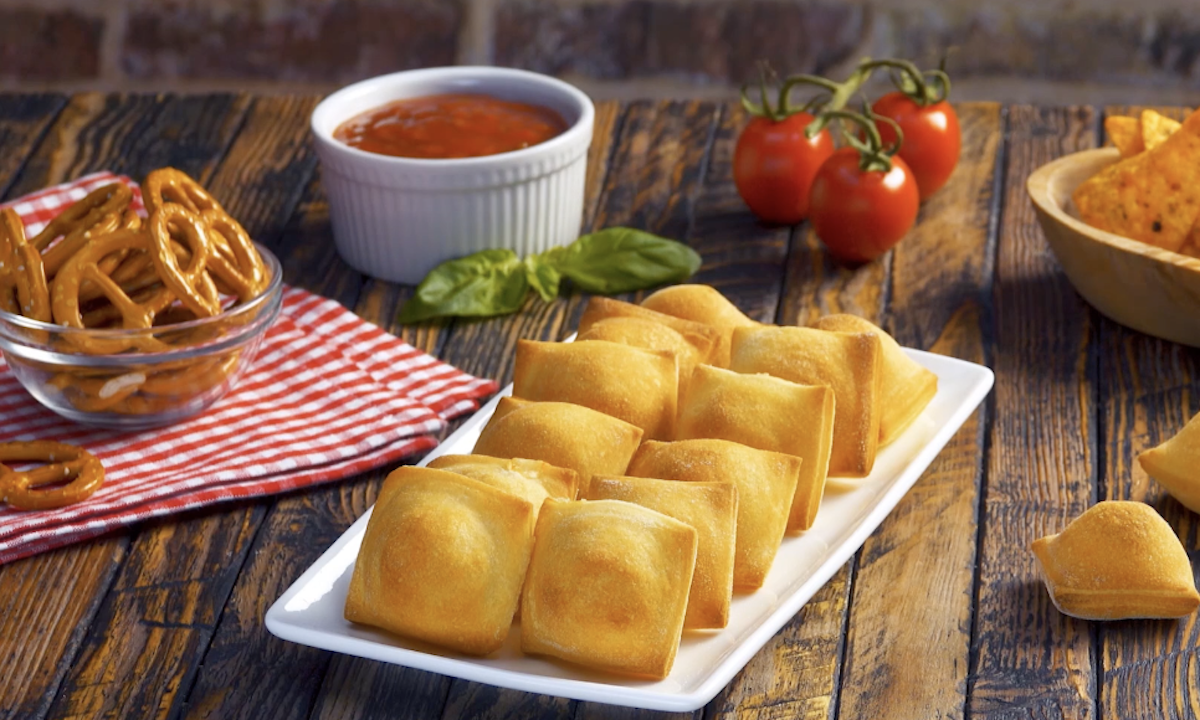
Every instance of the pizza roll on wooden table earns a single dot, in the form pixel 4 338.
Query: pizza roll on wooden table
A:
pixel 767 413
pixel 562 434
pixel 905 387
pixel 1118 560
pixel 710 508
pixel 607 586
pixel 766 482
pixel 703 338
pixel 648 335
pixel 442 560
pixel 702 304
pixel 532 480
pixel 635 385
pixel 1175 464
pixel 849 363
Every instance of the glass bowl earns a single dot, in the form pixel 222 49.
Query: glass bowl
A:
pixel 131 379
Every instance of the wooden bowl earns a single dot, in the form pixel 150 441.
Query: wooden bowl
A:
pixel 1138 285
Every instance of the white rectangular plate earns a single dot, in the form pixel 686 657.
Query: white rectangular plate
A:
pixel 310 612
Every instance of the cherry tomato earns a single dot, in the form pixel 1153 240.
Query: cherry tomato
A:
pixel 932 138
pixel 860 215
pixel 774 165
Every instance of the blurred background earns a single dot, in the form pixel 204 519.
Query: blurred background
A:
pixel 1049 51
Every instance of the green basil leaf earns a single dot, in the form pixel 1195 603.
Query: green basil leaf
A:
pixel 617 260
pixel 482 284
pixel 542 276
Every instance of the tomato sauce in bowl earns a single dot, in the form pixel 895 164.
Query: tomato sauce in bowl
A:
pixel 450 126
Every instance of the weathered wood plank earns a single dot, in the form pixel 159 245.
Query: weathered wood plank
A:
pixel 23 119
pixel 157 621
pixel 1028 659
pixel 908 638
pixel 1149 388
pixel 58 594
pixel 322 515
pixel 656 163
pixel 797 672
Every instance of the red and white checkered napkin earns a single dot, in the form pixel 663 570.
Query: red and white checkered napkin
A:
pixel 328 396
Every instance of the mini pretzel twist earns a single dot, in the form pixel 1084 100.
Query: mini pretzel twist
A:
pixel 112 199
pixel 23 489
pixel 23 288
pixel 193 286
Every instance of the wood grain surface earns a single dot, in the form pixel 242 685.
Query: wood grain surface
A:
pixel 940 615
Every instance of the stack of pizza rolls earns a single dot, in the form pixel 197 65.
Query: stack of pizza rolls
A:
pixel 695 440
pixel 98 265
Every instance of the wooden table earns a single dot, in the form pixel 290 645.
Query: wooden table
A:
pixel 939 615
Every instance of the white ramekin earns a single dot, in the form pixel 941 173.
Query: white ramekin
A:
pixel 396 218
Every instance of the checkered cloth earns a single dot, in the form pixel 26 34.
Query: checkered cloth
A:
pixel 328 396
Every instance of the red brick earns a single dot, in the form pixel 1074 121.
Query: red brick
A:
pixel 724 42
pixel 49 44
pixel 602 40
pixel 305 42
pixel 708 42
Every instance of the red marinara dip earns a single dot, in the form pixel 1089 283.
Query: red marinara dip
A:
pixel 450 126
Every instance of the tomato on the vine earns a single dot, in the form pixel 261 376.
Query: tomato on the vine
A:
pixel 864 199
pixel 932 138
pixel 774 164
pixel 860 214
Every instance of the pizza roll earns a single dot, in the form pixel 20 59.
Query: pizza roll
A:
pixel 1176 465
pixel 702 304
pixel 1118 560
pixel 846 362
pixel 767 413
pixel 607 586
pixel 635 385
pixel 443 560
pixel 564 435
pixel 710 508
pixel 703 338
pixel 532 480
pixel 766 482
pixel 905 386
pixel 648 335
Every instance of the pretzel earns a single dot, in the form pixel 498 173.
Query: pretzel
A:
pixel 193 287
pixel 96 394
pixel 170 186
pixel 62 251
pixel 86 213
pixel 238 265
pixel 23 288
pixel 21 489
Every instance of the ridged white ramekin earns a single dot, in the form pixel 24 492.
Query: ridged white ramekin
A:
pixel 396 218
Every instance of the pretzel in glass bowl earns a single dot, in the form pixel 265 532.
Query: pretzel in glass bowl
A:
pixel 112 319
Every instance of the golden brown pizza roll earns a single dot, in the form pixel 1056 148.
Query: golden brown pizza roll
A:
pixel 767 413
pixel 905 386
pixel 1118 560
pixel 702 304
pixel 607 586
pixel 648 335
pixel 710 508
pixel 766 482
pixel 562 434
pixel 1176 465
pixel 532 480
pixel 443 560
pixel 635 385
pixel 846 362
pixel 704 338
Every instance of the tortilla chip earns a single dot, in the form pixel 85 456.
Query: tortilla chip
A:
pixel 1124 133
pixel 1153 197
pixel 1156 128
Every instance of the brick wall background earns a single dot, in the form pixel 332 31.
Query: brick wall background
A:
pixel 1010 50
